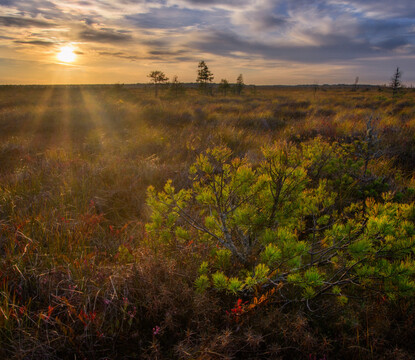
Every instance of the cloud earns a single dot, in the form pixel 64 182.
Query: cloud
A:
pixel 260 20
pixel 11 21
pixel 167 53
pixel 261 33
pixel 165 19
pixel 90 21
pixel 267 21
pixel 381 9
pixel 175 18
pixel 157 42
pixel 119 54
pixel 36 42
pixel 332 48
pixel 229 4
pixel 104 35
pixel 126 2
pixel 158 55
pixel 193 59
pixel 6 2
pixel 85 3
pixel 46 9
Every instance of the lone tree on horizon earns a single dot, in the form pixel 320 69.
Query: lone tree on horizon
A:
pixel 356 81
pixel 157 77
pixel 204 76
pixel 239 84
pixel 396 82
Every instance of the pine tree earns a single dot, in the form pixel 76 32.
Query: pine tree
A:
pixel 269 224
pixel 204 76
pixel 239 84
pixel 355 83
pixel 396 83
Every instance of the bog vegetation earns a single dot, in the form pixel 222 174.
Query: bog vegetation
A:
pixel 255 223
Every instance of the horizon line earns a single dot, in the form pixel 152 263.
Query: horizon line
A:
pixel 195 83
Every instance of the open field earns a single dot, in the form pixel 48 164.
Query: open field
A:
pixel 82 275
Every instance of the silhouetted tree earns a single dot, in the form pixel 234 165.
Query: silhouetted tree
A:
pixel 204 76
pixel 395 82
pixel 224 86
pixel 355 83
pixel 239 84
pixel 157 78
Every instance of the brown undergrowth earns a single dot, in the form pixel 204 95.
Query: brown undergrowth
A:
pixel 81 278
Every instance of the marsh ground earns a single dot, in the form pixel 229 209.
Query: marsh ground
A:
pixel 77 274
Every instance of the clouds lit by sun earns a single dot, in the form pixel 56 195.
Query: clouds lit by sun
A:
pixel 268 41
pixel 66 54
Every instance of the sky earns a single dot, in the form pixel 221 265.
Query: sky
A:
pixel 268 41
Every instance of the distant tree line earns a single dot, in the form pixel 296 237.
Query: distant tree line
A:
pixel 204 79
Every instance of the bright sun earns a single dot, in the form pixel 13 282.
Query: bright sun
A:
pixel 66 54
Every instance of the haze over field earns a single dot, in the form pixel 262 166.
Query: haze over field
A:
pixel 269 41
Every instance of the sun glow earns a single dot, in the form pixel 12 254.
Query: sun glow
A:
pixel 66 54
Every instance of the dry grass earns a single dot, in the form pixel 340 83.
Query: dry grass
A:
pixel 79 276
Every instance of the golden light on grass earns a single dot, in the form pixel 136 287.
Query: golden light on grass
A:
pixel 66 54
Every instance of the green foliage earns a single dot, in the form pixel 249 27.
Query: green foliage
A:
pixel 223 258
pixel 202 283
pixel 235 285
pixel 219 281
pixel 271 255
pixel 312 278
pixel 261 272
pixel 204 268
pixel 279 221
pixel 308 292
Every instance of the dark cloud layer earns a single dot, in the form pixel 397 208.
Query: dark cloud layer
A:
pixel 167 18
pixel 36 42
pixel 175 18
pixel 384 8
pixel 334 48
pixel 227 3
pixel 104 36
pixel 266 21
pixel 11 21
pixel 151 55
pixel 119 54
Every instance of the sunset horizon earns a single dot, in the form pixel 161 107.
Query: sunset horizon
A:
pixel 269 42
